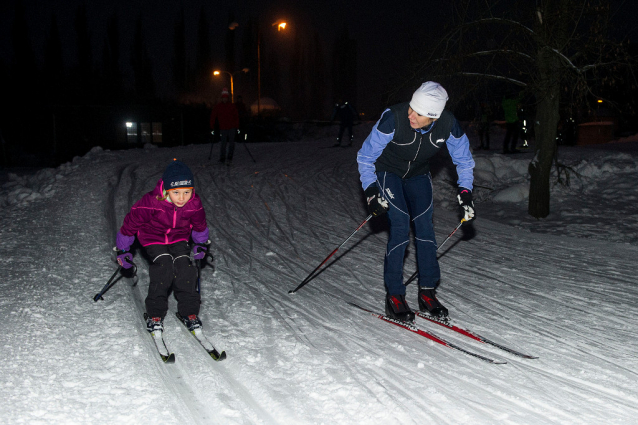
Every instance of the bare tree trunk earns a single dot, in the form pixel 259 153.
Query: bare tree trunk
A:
pixel 547 117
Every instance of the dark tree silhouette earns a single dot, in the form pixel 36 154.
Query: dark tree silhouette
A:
pixel 180 63
pixel 24 73
pixel 83 73
pixel 555 51
pixel 344 67
pixel 317 84
pixel 203 54
pixel 229 44
pixel 298 77
pixel 53 71
pixel 142 66
pixel 112 75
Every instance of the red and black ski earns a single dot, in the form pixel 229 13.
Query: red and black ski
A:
pixel 470 334
pixel 426 334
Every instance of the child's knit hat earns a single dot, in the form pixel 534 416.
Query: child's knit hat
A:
pixel 178 176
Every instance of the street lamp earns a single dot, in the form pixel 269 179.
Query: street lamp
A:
pixel 232 91
pixel 280 26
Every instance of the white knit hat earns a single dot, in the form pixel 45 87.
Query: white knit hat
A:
pixel 429 99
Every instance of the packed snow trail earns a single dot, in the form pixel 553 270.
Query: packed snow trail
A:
pixel 306 358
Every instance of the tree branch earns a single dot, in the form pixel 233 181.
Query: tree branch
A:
pixel 492 76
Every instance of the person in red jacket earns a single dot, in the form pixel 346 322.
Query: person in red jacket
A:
pixel 164 221
pixel 226 115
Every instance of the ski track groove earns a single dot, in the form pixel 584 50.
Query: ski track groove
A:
pixel 583 328
pixel 172 379
pixel 440 351
pixel 222 370
pixel 293 267
pixel 273 228
pixel 611 396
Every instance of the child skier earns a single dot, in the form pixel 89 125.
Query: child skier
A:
pixel 163 221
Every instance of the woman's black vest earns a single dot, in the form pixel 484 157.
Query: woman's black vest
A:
pixel 409 152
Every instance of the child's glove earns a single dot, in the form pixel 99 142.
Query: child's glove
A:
pixel 199 251
pixel 124 259
pixel 123 242
pixel 200 244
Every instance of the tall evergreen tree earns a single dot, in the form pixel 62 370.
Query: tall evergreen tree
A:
pixel 297 78
pixel 270 75
pixel 53 72
pixel 229 43
pixel 344 67
pixel 113 84
pixel 180 64
pixel 142 66
pixel 249 59
pixel 317 80
pixel 203 59
pixel 84 77
pixel 25 70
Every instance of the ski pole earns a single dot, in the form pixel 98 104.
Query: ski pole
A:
pixel 112 281
pixel 212 142
pixel 199 268
pixel 251 155
pixel 307 279
pixel 416 273
pixel 199 265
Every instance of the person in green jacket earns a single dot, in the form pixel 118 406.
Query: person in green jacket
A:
pixel 510 106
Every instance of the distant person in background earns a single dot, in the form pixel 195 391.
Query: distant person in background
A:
pixel 484 121
pixel 394 167
pixel 345 113
pixel 510 106
pixel 226 115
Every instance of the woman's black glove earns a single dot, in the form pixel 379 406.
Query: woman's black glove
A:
pixel 376 204
pixel 465 200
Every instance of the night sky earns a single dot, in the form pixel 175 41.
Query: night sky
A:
pixel 384 31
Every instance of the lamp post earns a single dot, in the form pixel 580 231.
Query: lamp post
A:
pixel 280 26
pixel 232 90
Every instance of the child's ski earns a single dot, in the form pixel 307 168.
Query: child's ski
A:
pixel 204 342
pixel 160 344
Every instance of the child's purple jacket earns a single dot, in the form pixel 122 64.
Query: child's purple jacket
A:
pixel 160 222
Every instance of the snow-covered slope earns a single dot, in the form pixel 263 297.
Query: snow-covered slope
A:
pixel 562 288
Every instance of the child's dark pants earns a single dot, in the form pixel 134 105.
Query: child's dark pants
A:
pixel 171 268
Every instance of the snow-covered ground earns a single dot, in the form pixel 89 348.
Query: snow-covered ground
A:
pixel 562 288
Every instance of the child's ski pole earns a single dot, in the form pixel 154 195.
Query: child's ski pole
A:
pixel 112 281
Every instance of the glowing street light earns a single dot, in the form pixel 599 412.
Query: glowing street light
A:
pixel 280 26
pixel 232 90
